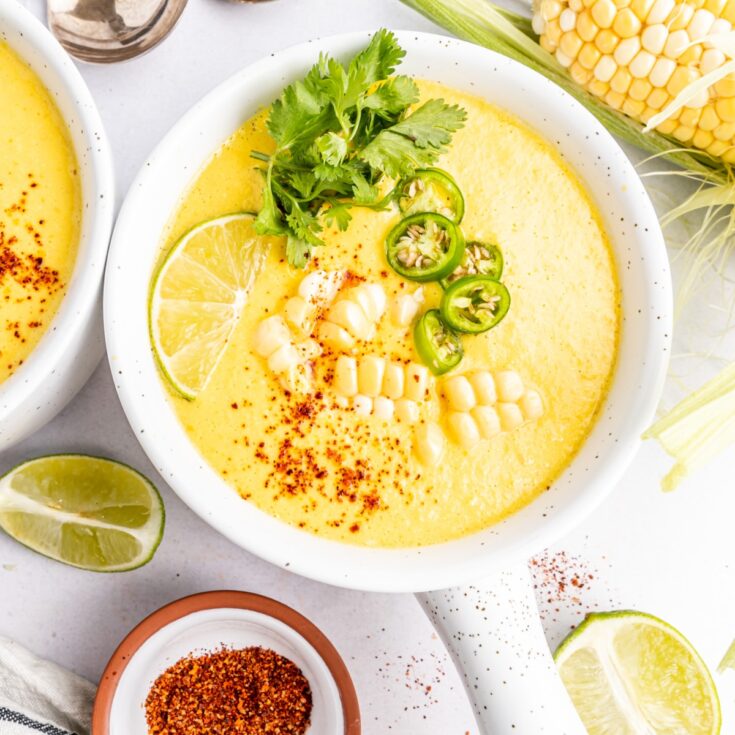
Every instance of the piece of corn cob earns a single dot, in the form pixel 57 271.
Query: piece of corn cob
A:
pixel 637 55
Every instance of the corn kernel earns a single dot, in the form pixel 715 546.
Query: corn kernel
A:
pixel 726 86
pixel 712 59
pixel 676 44
pixel 689 117
pixel 576 5
pixel 579 74
pixel 621 81
pixel 653 38
pixel 598 88
pixel 681 77
pixel 647 114
pixel 709 120
pixel 715 6
pixel 660 11
pixel 271 334
pixel 667 127
pixel 487 420
pixel 347 314
pixel 345 376
pixel 407 411
pixel 463 429
pixel 570 44
pixel 729 155
pixel 417 382
pixel 483 384
pixel 383 408
pixel 510 416
pixel 614 99
pixel 683 133
pixel 657 99
pixel 370 371
pixel 720 26
pixel 459 393
pixel 553 32
pixel 626 24
pixel 725 107
pixel 641 8
pixel 546 44
pixel 680 17
pixel 606 41
pixel 308 349
pixel 700 24
pixel 284 359
pixel 718 147
pixel 334 336
pixel 321 287
pixel 605 68
pixel 394 380
pixel 299 313
pixel 642 64
pixel 633 108
pixel 702 138
pixel 531 405
pixel 370 297
pixel 724 132
pixel 428 443
pixel 728 11
pixel 626 50
pixel 509 385
pixel 603 13
pixel 661 72
pixel 563 59
pixel 691 56
pixel 640 89
pixel 586 27
pixel 567 20
pixel 362 405
pixel 550 9
pixel 589 56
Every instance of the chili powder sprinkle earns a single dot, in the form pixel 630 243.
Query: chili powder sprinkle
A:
pixel 249 691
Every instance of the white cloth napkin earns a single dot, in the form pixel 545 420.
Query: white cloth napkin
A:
pixel 40 697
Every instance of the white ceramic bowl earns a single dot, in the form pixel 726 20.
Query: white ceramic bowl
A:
pixel 73 345
pixel 647 308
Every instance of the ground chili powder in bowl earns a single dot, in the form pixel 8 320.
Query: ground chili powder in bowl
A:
pixel 247 691
pixel 226 662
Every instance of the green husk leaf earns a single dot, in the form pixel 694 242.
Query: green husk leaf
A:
pixel 699 427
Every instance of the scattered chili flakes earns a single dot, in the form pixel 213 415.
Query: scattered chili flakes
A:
pixel 249 691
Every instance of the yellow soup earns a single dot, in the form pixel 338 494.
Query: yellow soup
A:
pixel 314 462
pixel 39 210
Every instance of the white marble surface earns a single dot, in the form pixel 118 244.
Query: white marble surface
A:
pixel 668 554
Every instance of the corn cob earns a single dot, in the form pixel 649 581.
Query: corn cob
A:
pixel 637 55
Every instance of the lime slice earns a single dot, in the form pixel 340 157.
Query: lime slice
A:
pixel 632 674
pixel 88 512
pixel 198 295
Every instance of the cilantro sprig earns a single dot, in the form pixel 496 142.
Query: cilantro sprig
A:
pixel 338 131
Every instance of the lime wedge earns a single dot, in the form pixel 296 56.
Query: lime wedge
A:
pixel 632 674
pixel 197 297
pixel 88 512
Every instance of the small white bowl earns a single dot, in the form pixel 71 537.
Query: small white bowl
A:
pixel 645 282
pixel 207 622
pixel 72 346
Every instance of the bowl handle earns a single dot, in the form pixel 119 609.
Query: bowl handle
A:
pixel 494 635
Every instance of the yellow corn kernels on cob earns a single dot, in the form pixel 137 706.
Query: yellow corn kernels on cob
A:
pixel 637 55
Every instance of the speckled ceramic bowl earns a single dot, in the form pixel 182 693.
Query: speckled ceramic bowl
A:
pixel 207 622
pixel 73 345
pixel 522 663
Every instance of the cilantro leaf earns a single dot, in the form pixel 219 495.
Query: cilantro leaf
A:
pixel 297 251
pixel 379 60
pixel 416 141
pixel 337 132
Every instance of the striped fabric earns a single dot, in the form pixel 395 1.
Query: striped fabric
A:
pixel 16 723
